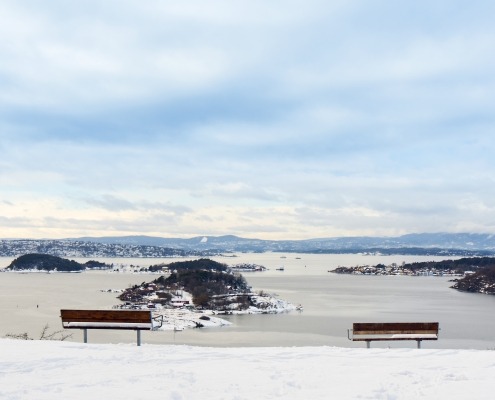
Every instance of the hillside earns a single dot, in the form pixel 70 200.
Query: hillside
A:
pixel 460 265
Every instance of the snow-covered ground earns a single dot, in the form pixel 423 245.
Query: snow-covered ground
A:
pixel 179 319
pixel 53 370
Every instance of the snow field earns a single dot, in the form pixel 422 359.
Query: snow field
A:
pixel 53 370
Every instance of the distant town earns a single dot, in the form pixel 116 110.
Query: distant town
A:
pixel 475 274
pixel 395 269
pixel 458 267
pixel 434 244
pixel 79 249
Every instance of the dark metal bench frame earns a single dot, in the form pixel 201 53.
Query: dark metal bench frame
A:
pixel 382 331
pixel 137 320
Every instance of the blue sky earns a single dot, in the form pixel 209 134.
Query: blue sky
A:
pixel 276 120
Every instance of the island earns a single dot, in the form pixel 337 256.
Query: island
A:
pixel 192 292
pixel 476 274
pixel 47 263
pixel 202 284
pixel 457 267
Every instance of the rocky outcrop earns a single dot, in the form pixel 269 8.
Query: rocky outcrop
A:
pixel 482 281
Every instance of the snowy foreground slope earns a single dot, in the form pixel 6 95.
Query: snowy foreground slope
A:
pixel 62 370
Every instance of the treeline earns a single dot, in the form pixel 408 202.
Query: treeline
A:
pixel 461 265
pixel 203 285
pixel 196 265
pixel 203 278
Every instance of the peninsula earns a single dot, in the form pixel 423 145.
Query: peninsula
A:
pixel 476 274
pixel 481 281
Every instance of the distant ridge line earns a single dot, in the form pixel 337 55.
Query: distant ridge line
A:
pixel 443 244
pixel 468 241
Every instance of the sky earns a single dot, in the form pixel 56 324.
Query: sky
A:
pixel 263 119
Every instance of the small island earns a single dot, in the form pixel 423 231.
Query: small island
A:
pixel 248 267
pixel 195 291
pixel 46 263
pixel 203 284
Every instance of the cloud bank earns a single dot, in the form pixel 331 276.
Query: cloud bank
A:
pixel 272 120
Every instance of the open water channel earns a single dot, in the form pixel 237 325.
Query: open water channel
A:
pixel 331 303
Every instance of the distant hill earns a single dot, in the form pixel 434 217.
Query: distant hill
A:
pixel 432 244
pixel 419 243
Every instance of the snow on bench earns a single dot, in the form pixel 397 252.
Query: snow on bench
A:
pixel 381 331
pixel 137 320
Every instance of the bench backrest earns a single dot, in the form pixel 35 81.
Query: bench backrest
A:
pixel 107 319
pixel 391 328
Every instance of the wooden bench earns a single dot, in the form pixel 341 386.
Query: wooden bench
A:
pixel 369 332
pixel 137 320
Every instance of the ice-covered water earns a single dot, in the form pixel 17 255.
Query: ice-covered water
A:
pixel 331 303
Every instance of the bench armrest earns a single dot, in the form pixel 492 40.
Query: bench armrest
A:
pixel 157 322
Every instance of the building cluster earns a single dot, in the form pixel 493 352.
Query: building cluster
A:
pixel 69 248
pixel 248 267
pixel 395 269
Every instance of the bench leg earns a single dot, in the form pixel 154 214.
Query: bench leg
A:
pixel 138 337
pixel 368 344
pixel 85 334
pixel 419 343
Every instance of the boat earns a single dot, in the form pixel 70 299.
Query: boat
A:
pixel 280 268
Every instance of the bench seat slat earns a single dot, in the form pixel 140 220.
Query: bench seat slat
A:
pixel 397 336
pixel 107 325
pixel 395 331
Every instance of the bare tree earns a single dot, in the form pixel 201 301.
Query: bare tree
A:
pixel 45 334
pixel 55 335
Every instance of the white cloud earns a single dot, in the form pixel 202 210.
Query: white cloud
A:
pixel 341 118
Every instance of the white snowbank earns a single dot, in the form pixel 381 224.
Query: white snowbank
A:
pixel 63 370
pixel 179 319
